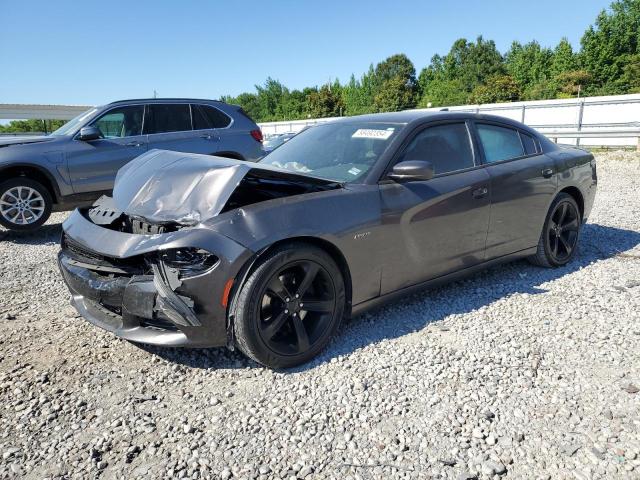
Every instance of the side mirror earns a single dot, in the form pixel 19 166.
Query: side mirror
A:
pixel 89 133
pixel 411 171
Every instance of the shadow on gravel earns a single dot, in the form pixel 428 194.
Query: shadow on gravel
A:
pixel 47 234
pixel 413 313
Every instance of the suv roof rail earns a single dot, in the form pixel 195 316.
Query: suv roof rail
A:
pixel 170 99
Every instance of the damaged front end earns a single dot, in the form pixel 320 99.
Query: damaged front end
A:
pixel 142 265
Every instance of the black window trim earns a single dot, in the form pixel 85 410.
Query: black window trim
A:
pixel 419 129
pixel 511 127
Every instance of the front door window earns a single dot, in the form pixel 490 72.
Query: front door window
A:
pixel 121 122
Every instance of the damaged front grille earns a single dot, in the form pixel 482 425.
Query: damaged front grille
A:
pixel 83 256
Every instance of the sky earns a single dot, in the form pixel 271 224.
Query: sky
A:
pixel 89 53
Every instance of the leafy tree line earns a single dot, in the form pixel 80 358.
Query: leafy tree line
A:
pixel 21 126
pixel 608 63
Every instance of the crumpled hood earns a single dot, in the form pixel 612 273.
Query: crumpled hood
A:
pixel 163 186
pixel 5 141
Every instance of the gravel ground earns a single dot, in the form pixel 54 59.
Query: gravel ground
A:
pixel 517 372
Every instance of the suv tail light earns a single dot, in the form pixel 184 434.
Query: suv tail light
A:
pixel 257 135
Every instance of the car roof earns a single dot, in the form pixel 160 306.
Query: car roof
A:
pixel 419 116
pixel 166 100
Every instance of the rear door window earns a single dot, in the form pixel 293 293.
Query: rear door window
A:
pixel 216 118
pixel 500 143
pixel 167 118
pixel 447 147
pixel 528 143
pixel 121 122
pixel 200 122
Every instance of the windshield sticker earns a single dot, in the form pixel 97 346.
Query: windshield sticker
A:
pixel 373 133
pixel 354 171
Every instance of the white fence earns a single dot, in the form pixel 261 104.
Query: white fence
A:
pixel 574 121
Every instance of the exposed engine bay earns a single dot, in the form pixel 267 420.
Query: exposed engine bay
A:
pixel 163 191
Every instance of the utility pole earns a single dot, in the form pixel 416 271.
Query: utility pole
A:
pixel 155 94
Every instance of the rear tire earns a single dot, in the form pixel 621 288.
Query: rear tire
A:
pixel 559 238
pixel 24 204
pixel 290 306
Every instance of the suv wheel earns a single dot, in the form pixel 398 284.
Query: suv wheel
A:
pixel 24 204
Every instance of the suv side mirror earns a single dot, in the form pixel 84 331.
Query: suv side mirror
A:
pixel 412 171
pixel 89 133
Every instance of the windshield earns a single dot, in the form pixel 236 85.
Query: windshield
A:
pixel 72 125
pixel 340 151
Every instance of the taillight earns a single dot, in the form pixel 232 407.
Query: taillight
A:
pixel 257 135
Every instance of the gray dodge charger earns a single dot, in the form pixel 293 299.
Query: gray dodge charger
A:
pixel 269 257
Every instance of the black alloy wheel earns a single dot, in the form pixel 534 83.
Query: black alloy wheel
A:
pixel 297 307
pixel 559 239
pixel 290 306
pixel 562 231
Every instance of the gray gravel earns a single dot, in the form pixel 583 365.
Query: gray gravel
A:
pixel 517 372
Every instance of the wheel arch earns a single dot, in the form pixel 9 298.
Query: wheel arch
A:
pixel 33 172
pixel 577 196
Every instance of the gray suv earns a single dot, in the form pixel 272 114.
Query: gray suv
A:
pixel 78 162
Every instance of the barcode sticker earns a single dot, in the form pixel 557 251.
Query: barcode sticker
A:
pixel 373 133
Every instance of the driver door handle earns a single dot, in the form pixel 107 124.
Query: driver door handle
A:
pixel 480 192
pixel 133 144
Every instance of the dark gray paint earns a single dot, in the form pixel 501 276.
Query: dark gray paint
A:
pixel 392 237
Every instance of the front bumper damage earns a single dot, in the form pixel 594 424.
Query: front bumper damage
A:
pixel 123 286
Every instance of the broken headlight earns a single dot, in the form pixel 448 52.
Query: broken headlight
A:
pixel 188 261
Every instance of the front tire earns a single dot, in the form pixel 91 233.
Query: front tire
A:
pixel 24 204
pixel 559 239
pixel 290 306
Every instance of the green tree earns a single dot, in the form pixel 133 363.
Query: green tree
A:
pixel 394 95
pixel 564 59
pixel 607 45
pixel 396 66
pixel 500 88
pixel 529 64
pixel 357 95
pixel 629 81
pixel 33 125
pixel 450 79
pixel 441 93
pixel 324 102
pixel 571 84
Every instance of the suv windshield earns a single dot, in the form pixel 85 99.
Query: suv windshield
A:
pixel 71 126
pixel 340 151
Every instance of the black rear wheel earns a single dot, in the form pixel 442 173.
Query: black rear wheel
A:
pixel 559 239
pixel 290 306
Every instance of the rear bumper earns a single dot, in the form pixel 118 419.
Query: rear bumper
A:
pixel 139 304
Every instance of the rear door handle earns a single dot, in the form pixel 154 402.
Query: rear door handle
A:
pixel 133 144
pixel 547 173
pixel 209 136
pixel 480 192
